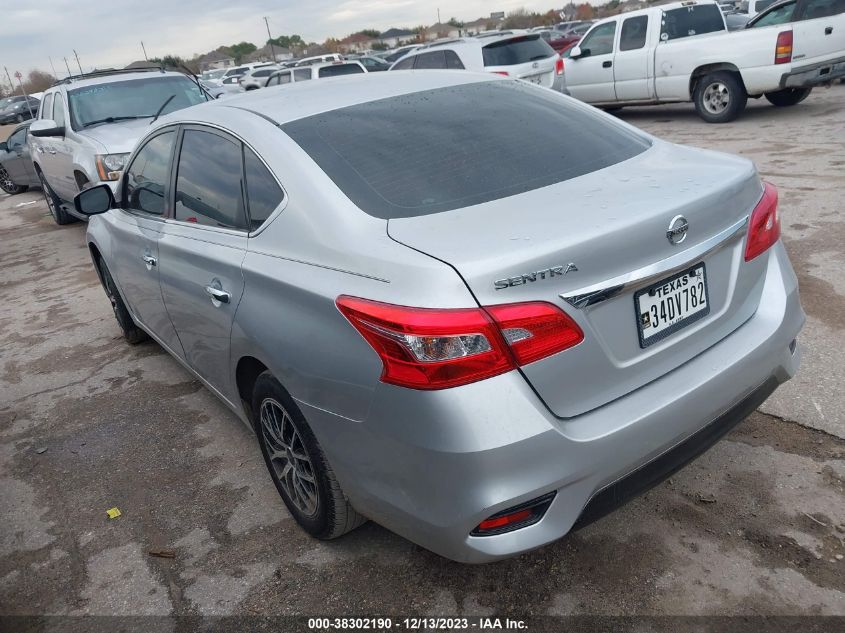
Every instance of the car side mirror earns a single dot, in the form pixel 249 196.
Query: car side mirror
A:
pixel 576 52
pixel 46 127
pixel 94 200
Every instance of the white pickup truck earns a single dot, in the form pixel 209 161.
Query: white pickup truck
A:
pixel 683 52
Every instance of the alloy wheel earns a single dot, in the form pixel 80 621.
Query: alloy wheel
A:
pixel 5 181
pixel 288 457
pixel 716 98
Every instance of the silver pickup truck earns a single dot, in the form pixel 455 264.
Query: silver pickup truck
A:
pixel 87 126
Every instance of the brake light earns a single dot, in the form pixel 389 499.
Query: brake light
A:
pixel 500 72
pixel 515 518
pixel 783 48
pixel 424 348
pixel 764 226
pixel 559 66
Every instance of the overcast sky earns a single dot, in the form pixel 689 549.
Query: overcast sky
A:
pixel 105 34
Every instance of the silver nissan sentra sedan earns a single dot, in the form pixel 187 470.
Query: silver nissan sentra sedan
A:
pixel 473 310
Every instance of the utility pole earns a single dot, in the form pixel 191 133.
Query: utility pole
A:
pixel 77 62
pixel 438 15
pixel 68 67
pixel 23 92
pixel 9 77
pixel 145 51
pixel 270 39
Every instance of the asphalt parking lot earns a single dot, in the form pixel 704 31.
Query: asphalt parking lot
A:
pixel 756 526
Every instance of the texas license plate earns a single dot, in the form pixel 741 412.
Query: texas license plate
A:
pixel 671 304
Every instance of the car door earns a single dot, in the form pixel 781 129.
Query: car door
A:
pixel 632 61
pixel 589 77
pixel 819 33
pixel 19 164
pixel 135 230
pixel 203 249
pixel 61 155
pixel 38 146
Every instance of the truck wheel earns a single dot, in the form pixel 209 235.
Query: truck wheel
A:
pixel 59 214
pixel 720 97
pixel 788 96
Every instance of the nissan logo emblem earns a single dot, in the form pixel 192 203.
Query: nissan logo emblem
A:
pixel 677 232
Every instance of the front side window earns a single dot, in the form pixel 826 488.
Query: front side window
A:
pixel 690 21
pixel 273 81
pixel 263 192
pixel 462 153
pixel 209 186
pixel 18 139
pixel 599 41
pixel 59 111
pixel 131 99
pixel 47 107
pixel 336 70
pixel 778 15
pixel 301 74
pixel 262 73
pixel 633 33
pixel 405 64
pixel 147 176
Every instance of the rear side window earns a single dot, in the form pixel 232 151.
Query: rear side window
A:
pixel 814 9
pixel 633 33
pixel 262 73
pixel 690 21
pixel 47 107
pixel 435 59
pixel 448 148
pixel 303 74
pixel 778 15
pixel 209 186
pixel 517 50
pixel 148 174
pixel 453 61
pixel 336 70
pixel 263 192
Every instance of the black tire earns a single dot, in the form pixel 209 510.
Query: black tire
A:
pixel 19 118
pixel 720 97
pixel 61 216
pixel 611 109
pixel 788 96
pixel 332 514
pixel 131 332
pixel 7 185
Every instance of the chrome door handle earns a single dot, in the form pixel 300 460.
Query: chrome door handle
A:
pixel 150 261
pixel 51 150
pixel 39 149
pixel 217 294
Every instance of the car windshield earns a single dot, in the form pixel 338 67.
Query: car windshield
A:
pixel 448 148
pixel 131 99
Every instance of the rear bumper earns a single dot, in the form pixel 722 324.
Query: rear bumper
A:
pixel 432 465
pixel 814 75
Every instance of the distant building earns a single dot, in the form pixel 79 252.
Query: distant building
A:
pixel 393 38
pixel 357 43
pixel 213 60
pixel 266 54
pixel 439 31
pixel 480 25
pixel 143 63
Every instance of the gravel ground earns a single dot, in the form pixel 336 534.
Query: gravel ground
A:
pixel 755 527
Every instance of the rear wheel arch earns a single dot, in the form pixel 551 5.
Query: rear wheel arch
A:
pixel 702 71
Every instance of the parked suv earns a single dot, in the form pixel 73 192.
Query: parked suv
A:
pixel 315 71
pixel 87 125
pixel 257 77
pixel 520 55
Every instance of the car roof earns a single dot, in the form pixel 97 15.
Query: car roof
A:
pixel 115 77
pixel 308 98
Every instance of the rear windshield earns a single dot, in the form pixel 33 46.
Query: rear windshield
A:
pixel 340 69
pixel 689 21
pixel 518 50
pixel 454 147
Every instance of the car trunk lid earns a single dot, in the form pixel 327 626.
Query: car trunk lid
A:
pixel 607 230
pixel 526 57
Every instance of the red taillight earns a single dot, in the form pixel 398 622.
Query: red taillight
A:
pixel 515 518
pixel 559 66
pixel 508 519
pixel 764 226
pixel 424 348
pixel 504 73
pixel 783 48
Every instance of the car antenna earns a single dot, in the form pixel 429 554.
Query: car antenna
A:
pixel 163 106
